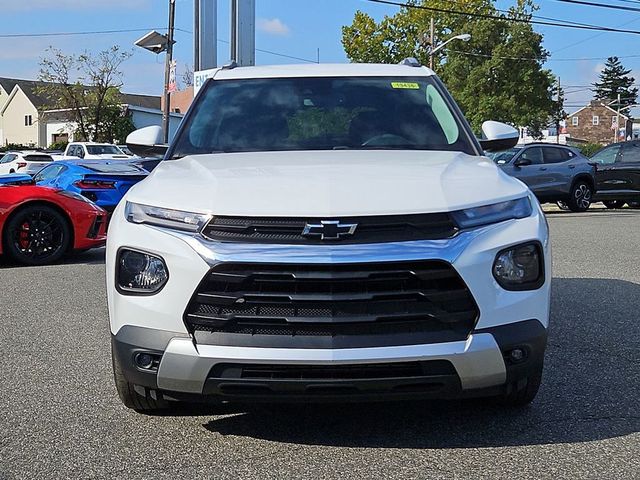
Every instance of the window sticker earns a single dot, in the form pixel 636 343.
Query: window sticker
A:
pixel 405 85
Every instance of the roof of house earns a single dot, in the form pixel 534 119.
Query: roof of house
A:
pixel 29 87
pixel 597 104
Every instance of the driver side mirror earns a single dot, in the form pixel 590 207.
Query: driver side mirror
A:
pixel 497 136
pixel 147 142
pixel 522 162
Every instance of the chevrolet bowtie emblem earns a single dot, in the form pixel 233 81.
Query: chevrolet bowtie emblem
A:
pixel 329 230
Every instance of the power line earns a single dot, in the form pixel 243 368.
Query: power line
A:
pixel 68 34
pixel 601 5
pixel 535 59
pixel 556 23
pixel 270 52
pixel 591 37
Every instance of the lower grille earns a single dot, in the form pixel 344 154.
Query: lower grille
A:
pixel 334 301
pixel 95 228
pixel 333 372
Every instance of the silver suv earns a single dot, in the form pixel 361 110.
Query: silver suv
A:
pixel 554 173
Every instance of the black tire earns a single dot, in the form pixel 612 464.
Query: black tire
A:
pixel 634 204
pixel 12 171
pixel 37 235
pixel 523 392
pixel 581 196
pixel 562 205
pixel 131 398
pixel 614 203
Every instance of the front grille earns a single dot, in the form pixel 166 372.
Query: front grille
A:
pixel 373 229
pixel 334 301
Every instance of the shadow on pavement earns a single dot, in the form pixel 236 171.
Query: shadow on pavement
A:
pixel 90 257
pixel 590 391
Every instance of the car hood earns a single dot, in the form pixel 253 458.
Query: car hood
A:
pixel 326 183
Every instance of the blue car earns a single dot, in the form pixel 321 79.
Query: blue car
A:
pixel 16 179
pixel 104 182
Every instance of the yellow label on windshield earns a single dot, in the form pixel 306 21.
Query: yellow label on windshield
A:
pixel 406 85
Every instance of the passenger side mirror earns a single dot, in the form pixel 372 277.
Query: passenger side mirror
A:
pixel 522 162
pixel 498 136
pixel 147 142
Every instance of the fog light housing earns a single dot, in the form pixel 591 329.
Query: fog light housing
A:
pixel 140 273
pixel 520 267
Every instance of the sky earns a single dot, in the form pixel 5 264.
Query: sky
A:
pixel 298 28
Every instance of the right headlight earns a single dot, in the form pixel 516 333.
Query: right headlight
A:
pixel 520 267
pixel 494 213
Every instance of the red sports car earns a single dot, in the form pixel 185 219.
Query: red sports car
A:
pixel 39 225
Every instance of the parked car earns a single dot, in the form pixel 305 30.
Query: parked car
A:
pixel 101 181
pixel 93 151
pixel 327 232
pixel 24 162
pixel 618 174
pixel 126 150
pixel 16 179
pixel 554 173
pixel 38 225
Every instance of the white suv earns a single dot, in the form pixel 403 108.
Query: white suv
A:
pixel 327 232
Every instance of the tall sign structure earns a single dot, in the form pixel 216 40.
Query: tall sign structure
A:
pixel 243 37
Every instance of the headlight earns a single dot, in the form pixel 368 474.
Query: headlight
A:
pixel 140 273
pixel 497 212
pixel 165 217
pixel 75 196
pixel 520 267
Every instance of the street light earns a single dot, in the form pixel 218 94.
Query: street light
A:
pixel 157 43
pixel 465 37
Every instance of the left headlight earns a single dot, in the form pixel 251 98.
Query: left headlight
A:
pixel 494 213
pixel 165 217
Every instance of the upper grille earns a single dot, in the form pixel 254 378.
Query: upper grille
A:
pixel 335 302
pixel 373 229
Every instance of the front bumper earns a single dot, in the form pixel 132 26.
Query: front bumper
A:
pixel 481 366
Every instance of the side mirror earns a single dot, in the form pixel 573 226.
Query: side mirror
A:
pixel 522 162
pixel 498 136
pixel 147 142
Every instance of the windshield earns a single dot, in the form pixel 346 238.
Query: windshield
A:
pixel 503 157
pixel 322 114
pixel 103 150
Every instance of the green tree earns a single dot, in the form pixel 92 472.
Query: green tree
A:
pixel 614 81
pixel 88 86
pixel 497 75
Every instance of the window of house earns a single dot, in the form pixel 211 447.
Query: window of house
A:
pixel 596 120
pixel 28 120
pixel 574 121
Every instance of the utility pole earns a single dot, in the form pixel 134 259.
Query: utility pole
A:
pixel 558 117
pixel 616 137
pixel 432 41
pixel 167 69
pixel 243 32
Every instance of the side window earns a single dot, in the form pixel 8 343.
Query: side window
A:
pixel 607 156
pixel 631 153
pixel 534 155
pixel 574 121
pixel 8 158
pixel 596 120
pixel 48 173
pixel 554 155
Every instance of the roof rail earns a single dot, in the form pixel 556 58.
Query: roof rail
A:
pixel 230 66
pixel 411 62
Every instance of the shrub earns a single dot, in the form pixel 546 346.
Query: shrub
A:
pixel 589 149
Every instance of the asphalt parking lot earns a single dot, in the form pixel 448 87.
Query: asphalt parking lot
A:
pixel 60 416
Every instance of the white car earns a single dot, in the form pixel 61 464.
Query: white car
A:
pixel 94 151
pixel 327 232
pixel 24 162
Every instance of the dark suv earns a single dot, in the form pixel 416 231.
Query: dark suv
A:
pixel 554 173
pixel 618 174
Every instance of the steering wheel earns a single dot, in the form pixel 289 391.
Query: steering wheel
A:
pixel 386 139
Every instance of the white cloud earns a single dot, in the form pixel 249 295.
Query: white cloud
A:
pixel 27 5
pixel 273 26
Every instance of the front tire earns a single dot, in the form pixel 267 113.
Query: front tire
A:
pixel 131 398
pixel 581 195
pixel 37 235
pixel 612 204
